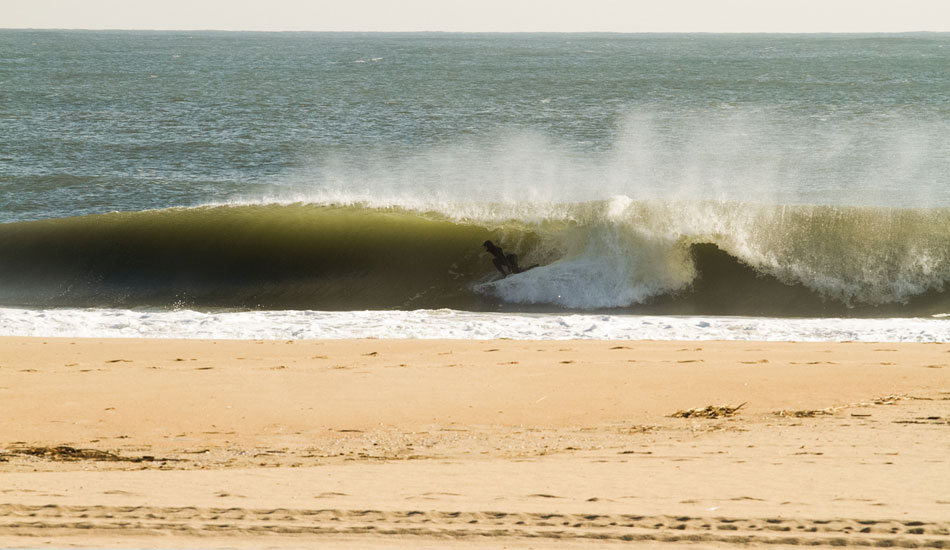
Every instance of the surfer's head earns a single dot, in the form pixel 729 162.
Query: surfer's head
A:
pixel 488 244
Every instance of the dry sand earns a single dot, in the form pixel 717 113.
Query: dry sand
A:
pixel 472 444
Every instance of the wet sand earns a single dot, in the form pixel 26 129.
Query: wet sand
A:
pixel 473 444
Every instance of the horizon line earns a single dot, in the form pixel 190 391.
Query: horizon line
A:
pixel 357 31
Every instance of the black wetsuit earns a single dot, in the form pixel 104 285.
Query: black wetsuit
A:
pixel 506 264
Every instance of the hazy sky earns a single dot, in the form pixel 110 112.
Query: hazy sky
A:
pixel 485 15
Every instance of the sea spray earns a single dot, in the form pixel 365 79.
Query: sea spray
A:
pixel 753 154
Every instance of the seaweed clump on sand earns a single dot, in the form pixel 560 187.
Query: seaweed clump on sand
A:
pixel 709 411
pixel 69 454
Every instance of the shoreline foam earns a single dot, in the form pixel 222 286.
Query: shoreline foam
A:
pixel 454 324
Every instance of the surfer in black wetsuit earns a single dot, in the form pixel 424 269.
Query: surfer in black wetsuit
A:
pixel 506 264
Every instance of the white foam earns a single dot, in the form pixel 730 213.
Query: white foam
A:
pixel 608 262
pixel 444 323
pixel 586 282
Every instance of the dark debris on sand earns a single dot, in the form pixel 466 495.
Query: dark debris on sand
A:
pixel 709 411
pixel 70 454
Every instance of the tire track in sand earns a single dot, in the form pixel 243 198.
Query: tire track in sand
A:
pixel 53 520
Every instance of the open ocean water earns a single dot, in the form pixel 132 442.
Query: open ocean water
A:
pixel 271 185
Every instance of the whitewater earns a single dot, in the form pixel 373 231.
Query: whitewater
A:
pixel 451 324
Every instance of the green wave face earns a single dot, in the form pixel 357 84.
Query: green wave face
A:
pixel 267 256
pixel 619 255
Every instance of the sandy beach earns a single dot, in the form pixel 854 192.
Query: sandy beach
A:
pixel 473 444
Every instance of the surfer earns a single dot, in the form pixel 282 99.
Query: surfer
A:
pixel 500 260
pixel 506 264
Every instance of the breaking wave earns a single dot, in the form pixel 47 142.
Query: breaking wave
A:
pixel 653 256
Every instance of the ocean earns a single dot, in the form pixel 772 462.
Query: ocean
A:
pixel 330 185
